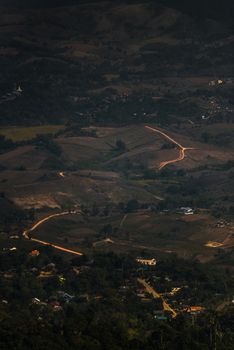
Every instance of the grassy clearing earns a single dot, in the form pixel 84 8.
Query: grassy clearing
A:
pixel 28 133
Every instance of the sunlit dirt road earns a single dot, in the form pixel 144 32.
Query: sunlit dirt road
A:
pixel 39 223
pixel 181 148
pixel 122 221
pixel 157 295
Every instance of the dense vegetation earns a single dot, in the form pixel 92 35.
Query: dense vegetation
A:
pixel 101 313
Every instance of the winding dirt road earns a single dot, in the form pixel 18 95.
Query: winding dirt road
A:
pixel 39 223
pixel 181 148
pixel 181 156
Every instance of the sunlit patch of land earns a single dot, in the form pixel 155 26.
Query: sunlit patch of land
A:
pixel 211 244
pixel 28 133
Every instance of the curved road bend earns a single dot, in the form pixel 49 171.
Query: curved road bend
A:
pixel 157 295
pixel 181 148
pixel 39 223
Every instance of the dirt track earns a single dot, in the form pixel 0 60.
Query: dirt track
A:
pixel 181 148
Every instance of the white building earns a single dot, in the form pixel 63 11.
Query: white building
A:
pixel 186 211
pixel 149 262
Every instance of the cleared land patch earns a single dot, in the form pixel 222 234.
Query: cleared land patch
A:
pixel 28 133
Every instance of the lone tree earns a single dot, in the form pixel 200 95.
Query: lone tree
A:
pixel 132 205
pixel 120 145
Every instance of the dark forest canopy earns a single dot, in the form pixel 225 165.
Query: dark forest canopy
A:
pixel 200 8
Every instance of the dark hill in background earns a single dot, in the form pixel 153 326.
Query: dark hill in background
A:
pixel 200 8
pixel 204 8
pixel 70 60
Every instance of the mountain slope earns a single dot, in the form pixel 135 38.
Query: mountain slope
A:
pixel 69 60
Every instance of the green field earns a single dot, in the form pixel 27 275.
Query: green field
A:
pixel 28 133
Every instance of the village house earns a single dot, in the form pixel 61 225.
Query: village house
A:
pixel 34 253
pixel 186 211
pixel 194 310
pixel 148 262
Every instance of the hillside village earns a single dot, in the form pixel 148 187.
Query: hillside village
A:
pixel 116 175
